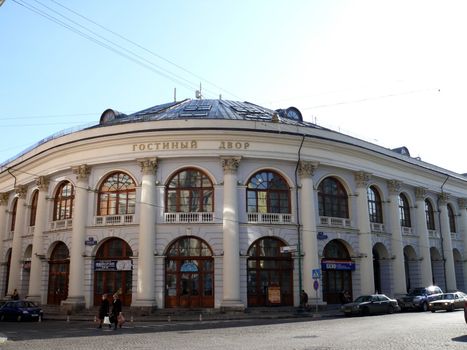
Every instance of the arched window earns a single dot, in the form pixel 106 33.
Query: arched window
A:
pixel 32 217
pixel 404 211
pixel 430 217
pixel 374 205
pixel 14 208
pixel 189 191
pixel 332 199
pixel 117 195
pixel 63 201
pixel 268 192
pixel 452 219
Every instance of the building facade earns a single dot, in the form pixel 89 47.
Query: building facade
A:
pixel 223 204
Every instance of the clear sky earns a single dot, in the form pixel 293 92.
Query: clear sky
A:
pixel 390 72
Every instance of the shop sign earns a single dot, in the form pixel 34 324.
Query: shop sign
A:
pixel 113 265
pixel 346 265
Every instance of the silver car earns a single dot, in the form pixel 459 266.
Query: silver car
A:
pixel 448 302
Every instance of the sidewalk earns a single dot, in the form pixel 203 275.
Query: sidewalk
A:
pixel 177 315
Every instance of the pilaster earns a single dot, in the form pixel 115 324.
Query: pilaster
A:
pixel 448 255
pixel 424 242
pixel 231 236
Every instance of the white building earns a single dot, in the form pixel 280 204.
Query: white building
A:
pixel 223 204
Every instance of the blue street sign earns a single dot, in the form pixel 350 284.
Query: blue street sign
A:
pixel 316 274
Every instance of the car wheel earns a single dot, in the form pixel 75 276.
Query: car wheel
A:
pixel 19 318
pixel 365 311
pixel 451 308
pixel 424 307
pixel 433 311
pixel 2 317
pixel 391 309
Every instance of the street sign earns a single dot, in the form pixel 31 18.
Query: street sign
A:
pixel 316 285
pixel 316 274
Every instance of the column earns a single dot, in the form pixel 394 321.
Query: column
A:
pixel 463 230
pixel 448 256
pixel 231 236
pixel 364 236
pixel 37 246
pixel 307 214
pixel 397 248
pixel 16 251
pixel 3 210
pixel 424 243
pixel 145 296
pixel 75 300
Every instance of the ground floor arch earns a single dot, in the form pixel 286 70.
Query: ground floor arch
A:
pixel 189 274
pixel 459 270
pixel 337 269
pixel 269 273
pixel 113 271
pixel 412 268
pixel 381 269
pixel 59 270
pixel 437 267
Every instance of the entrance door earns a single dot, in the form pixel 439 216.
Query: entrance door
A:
pixel 59 267
pixel 113 271
pixel 337 272
pixel 269 270
pixel 189 274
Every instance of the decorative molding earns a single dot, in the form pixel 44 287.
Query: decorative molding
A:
pixel 82 172
pixel 420 193
pixel 4 198
pixel 42 183
pixel 307 168
pixel 21 191
pixel 394 186
pixel 148 166
pixel 443 198
pixel 230 164
pixel 362 179
pixel 462 203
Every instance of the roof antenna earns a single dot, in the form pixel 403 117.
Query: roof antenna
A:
pixel 175 94
pixel 199 95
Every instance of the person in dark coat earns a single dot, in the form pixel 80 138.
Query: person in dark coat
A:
pixel 15 295
pixel 103 309
pixel 116 310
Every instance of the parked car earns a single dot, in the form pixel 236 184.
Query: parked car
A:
pixel 465 311
pixel 419 298
pixel 20 310
pixel 371 304
pixel 448 302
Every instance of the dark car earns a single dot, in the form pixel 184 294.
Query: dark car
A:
pixel 419 298
pixel 465 311
pixel 371 304
pixel 20 310
pixel 448 302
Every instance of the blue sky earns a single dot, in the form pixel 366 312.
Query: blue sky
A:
pixel 390 72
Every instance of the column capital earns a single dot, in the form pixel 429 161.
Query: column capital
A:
pixel 362 179
pixel 21 191
pixel 443 198
pixel 462 203
pixel 148 166
pixel 394 186
pixel 420 193
pixel 4 198
pixel 42 183
pixel 82 171
pixel 307 168
pixel 230 164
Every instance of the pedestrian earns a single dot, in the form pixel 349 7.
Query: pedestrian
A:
pixel 103 310
pixel 15 295
pixel 116 311
pixel 304 299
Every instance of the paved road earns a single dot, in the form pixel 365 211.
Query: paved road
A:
pixel 407 331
